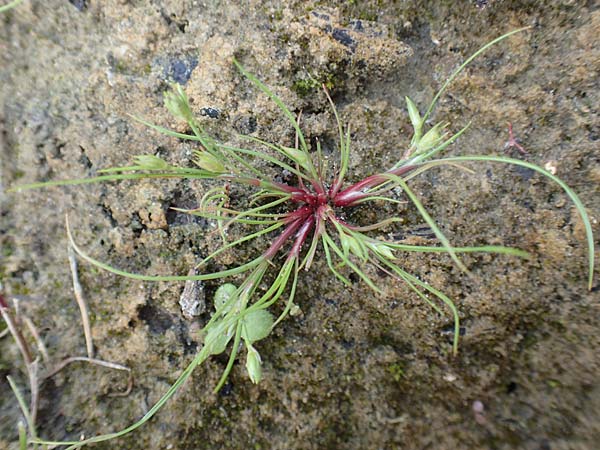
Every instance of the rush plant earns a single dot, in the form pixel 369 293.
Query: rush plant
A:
pixel 299 220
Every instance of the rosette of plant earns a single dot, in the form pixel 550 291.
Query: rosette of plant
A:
pixel 299 220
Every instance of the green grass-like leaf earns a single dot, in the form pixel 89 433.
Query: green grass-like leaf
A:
pixel 574 198
pixel 10 5
pixel 198 359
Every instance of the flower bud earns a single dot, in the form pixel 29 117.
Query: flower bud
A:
pixel 151 162
pixel 206 161
pixel 176 101
pixel 253 365
pixel 382 249
pixel 351 245
pixel 415 118
pixel 297 156
pixel 432 138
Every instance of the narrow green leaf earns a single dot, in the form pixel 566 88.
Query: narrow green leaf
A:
pixel 234 351
pixel 480 249
pixel 10 5
pixel 290 302
pixel 350 264
pixel 198 359
pixel 574 198
pixel 208 276
pixel 463 65
pixel 22 405
pixel 438 233
pixel 286 112
pixel 22 435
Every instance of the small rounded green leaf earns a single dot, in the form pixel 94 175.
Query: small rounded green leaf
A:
pixel 224 293
pixel 257 325
pixel 217 339
pixel 254 365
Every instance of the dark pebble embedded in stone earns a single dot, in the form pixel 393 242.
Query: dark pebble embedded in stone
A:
pixel 342 36
pixel 81 5
pixel 245 124
pixel 213 113
pixel 178 68
pixel 357 25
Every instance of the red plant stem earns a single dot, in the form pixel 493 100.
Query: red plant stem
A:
pixel 335 187
pixel 289 231
pixel 301 237
pixel 354 193
pixel 300 213
pixel 318 187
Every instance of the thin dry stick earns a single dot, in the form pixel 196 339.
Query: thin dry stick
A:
pixel 34 385
pixel 97 362
pixel 38 340
pixel 16 333
pixel 22 405
pixel 127 390
pixel 82 304
pixel 30 364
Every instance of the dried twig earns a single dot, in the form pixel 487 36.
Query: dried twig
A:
pixel 34 386
pixel 127 390
pixel 22 405
pixel 97 362
pixel 15 331
pixel 31 365
pixel 15 325
pixel 64 363
pixel 85 319
pixel 38 340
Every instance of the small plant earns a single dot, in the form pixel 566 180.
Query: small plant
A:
pixel 304 218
